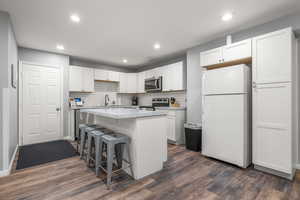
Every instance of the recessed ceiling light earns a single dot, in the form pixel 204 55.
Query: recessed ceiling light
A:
pixel 125 60
pixel 60 47
pixel 227 17
pixel 156 46
pixel 75 18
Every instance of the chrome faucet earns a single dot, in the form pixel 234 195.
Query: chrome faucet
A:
pixel 106 100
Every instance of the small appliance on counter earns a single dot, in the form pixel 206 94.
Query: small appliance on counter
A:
pixel 134 101
pixel 77 101
pixel 160 102
pixel 174 103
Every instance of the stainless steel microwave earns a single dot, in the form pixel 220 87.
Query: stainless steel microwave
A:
pixel 153 84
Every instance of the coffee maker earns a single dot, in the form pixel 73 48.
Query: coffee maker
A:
pixel 134 101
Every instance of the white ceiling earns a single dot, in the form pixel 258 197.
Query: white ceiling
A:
pixel 111 30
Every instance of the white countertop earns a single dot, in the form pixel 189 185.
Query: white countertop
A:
pixel 124 106
pixel 122 113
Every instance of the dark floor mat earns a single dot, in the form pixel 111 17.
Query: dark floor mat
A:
pixel 36 154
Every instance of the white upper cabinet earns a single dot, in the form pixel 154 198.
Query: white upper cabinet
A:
pixel 211 57
pixel 141 82
pixel 173 77
pixel 234 51
pixel 106 75
pixel 123 83
pixel 132 82
pixel 114 76
pixel 101 75
pixel 238 50
pixel 128 83
pixel 81 79
pixel 75 79
pixel 156 72
pixel 272 57
pixel 88 80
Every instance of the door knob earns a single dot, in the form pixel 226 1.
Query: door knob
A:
pixel 254 84
pixel 57 109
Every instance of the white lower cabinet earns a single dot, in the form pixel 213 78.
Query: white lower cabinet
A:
pixel 272 138
pixel 171 123
pixel 175 129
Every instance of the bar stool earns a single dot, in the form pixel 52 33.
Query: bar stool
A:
pixel 82 128
pixel 111 141
pixel 95 136
pixel 83 137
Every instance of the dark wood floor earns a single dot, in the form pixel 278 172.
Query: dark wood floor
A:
pixel 187 175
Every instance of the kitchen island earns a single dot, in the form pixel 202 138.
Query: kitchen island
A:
pixel 147 130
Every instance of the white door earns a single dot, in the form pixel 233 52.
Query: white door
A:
pixel 272 126
pixel 225 128
pixel 41 103
pixel 237 50
pixel 211 57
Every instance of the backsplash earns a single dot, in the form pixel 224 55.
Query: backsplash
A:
pixel 146 99
pixel 111 89
pixel 97 98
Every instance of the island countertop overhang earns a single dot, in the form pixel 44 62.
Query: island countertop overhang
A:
pixel 122 113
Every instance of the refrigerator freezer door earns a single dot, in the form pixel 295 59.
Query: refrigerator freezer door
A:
pixel 225 128
pixel 229 80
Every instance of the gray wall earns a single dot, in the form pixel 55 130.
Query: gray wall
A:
pixel 8 56
pixel 42 57
pixel 3 74
pixel 13 109
pixel 94 64
pixel 194 71
pixel 167 61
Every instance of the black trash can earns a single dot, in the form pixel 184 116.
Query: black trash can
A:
pixel 193 136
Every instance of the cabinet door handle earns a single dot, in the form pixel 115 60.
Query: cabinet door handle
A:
pixel 254 84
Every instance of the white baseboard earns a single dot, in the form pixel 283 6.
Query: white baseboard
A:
pixel 68 138
pixel 4 173
pixel 7 172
